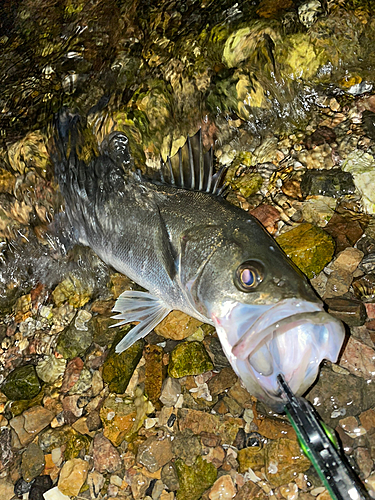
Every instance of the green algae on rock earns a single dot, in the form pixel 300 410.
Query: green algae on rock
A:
pixel 248 184
pixel 75 444
pixel 74 341
pixel 194 480
pixel 189 358
pixel 309 247
pixel 22 383
pixel 118 368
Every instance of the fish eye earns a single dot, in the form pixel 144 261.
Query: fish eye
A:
pixel 248 275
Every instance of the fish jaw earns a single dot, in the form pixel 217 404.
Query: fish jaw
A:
pixel 291 338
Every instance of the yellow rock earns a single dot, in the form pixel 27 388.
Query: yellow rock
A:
pixel 177 326
pixel 72 476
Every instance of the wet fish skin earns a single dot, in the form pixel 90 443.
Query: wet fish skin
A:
pixel 184 246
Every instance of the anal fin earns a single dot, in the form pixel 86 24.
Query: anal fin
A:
pixel 138 306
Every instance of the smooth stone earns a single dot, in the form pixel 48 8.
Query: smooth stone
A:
pixel 225 379
pixel 106 457
pixel 32 462
pixel 155 452
pixel 189 358
pixel 73 341
pixel 283 460
pixel 119 368
pixel 21 383
pixel 177 326
pixel 169 476
pixel 6 489
pixel 350 311
pixel 215 351
pixel 194 480
pixel 139 486
pixel 337 395
pixel 359 359
pixel 347 260
pixel 72 290
pixel 334 183
pixel 362 166
pixel 75 444
pixel 170 391
pixel 344 230
pixel 222 489
pixel 337 284
pixel 36 419
pixel 309 247
pixel 252 457
pixel 367 419
pixel 364 461
pixel 72 476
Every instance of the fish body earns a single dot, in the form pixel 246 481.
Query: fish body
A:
pixel 178 238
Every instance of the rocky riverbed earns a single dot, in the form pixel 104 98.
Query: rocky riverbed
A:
pixel 285 91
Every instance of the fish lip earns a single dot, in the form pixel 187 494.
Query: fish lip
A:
pixel 268 321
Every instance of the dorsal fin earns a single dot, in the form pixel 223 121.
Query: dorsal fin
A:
pixel 191 168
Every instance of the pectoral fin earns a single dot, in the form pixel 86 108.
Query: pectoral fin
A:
pixel 142 307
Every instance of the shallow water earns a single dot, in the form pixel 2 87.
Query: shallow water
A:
pixel 283 89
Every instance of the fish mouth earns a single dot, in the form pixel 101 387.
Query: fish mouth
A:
pixel 291 338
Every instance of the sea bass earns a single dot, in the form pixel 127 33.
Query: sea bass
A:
pixel 178 238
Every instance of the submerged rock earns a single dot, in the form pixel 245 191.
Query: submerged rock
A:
pixel 22 383
pixel 32 462
pixel 333 183
pixel 194 480
pixel 309 247
pixel 177 326
pixel 283 460
pixel 72 476
pixel 154 372
pixel 118 368
pixel 189 358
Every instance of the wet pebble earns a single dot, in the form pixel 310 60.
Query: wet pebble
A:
pixel 6 489
pixel 154 372
pixel 222 489
pixel 177 326
pixel 194 480
pixel 21 383
pixel 309 247
pixel 55 494
pixel 72 476
pixel 345 231
pixel 189 358
pixel 118 417
pixel 225 379
pixel 186 446
pixel 335 183
pixel 155 452
pixel 359 359
pixel 170 392
pixel 74 341
pixel 350 311
pixel 169 476
pixel 32 462
pixel 119 368
pixel 106 457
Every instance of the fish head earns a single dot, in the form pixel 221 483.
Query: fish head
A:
pixel 267 316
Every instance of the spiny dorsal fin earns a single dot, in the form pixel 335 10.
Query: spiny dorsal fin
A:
pixel 191 168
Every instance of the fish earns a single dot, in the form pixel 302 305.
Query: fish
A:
pixel 176 236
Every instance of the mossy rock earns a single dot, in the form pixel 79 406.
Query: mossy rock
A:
pixel 118 368
pixel 22 383
pixel 194 480
pixel 189 358
pixel 309 247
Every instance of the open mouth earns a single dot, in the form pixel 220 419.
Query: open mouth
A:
pixel 291 338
